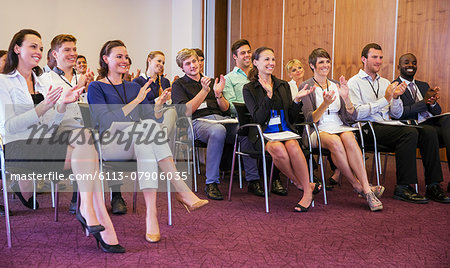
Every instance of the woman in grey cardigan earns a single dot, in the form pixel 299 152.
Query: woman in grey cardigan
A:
pixel 330 107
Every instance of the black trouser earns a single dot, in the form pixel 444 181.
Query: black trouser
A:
pixel 442 127
pixel 404 141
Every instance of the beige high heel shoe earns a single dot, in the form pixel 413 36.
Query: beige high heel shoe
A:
pixel 153 238
pixel 196 205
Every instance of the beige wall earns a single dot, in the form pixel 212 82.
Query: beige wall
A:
pixel 144 25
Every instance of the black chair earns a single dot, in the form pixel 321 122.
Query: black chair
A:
pixel 245 122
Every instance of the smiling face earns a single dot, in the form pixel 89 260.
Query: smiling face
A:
pixel 66 55
pixel 372 64
pixel 117 60
pixel 408 66
pixel 296 73
pixel 244 57
pixel 81 65
pixel 157 63
pixel 265 63
pixel 191 67
pixel 30 53
pixel 323 66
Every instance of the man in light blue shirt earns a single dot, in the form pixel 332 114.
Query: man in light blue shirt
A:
pixel 234 83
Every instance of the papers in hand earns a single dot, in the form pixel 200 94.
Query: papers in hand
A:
pixel 395 123
pixel 336 129
pixel 281 136
pixel 432 118
pixel 223 121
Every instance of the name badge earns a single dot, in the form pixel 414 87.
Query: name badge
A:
pixel 202 106
pixel 275 120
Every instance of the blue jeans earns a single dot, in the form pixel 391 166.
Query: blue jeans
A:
pixel 215 136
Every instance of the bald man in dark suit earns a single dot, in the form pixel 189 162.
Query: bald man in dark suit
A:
pixel 420 103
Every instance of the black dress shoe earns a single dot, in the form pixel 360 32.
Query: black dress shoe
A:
pixel 255 188
pixel 277 188
pixel 408 194
pixel 73 207
pixel 436 193
pixel 118 205
pixel 213 192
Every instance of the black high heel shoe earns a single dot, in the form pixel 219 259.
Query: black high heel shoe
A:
pixel 29 204
pixel 93 229
pixel 108 248
pixel 302 208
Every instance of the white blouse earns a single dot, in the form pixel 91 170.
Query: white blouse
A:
pixel 17 113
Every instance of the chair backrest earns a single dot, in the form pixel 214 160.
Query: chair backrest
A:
pixel 244 116
pixel 86 114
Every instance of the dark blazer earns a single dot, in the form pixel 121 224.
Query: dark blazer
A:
pixel 259 105
pixel 411 109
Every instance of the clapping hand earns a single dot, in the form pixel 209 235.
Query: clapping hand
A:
pixel 431 96
pixel 266 85
pixel 328 97
pixel 343 88
pixel 165 96
pixel 205 81
pixel 52 97
pixel 399 90
pixel 86 78
pixel 219 85
pixel 304 92
pixel 144 91
pixel 72 95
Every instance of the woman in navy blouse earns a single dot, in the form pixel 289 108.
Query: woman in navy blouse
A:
pixel 113 100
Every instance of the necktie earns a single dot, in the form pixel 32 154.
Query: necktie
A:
pixel 412 88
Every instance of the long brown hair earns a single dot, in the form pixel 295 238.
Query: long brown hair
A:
pixel 12 60
pixel 253 74
pixel 106 50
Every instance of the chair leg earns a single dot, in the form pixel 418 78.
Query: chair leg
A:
pixel 232 173
pixel 195 168
pixel 34 195
pixel 271 176
pixel 324 190
pixel 135 195
pixel 169 204
pixel 56 200
pixel 384 168
pixel 52 187
pixel 5 202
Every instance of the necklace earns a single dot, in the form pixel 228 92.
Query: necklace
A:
pixel 328 110
pixel 124 91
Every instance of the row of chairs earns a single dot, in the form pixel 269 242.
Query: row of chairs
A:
pixel 192 147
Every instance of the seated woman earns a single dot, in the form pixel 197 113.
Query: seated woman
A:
pixel 26 103
pixel 332 109
pixel 270 104
pixel 296 72
pixel 159 84
pixel 113 99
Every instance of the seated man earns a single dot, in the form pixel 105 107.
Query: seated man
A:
pixel 375 100
pixel 420 103
pixel 204 99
